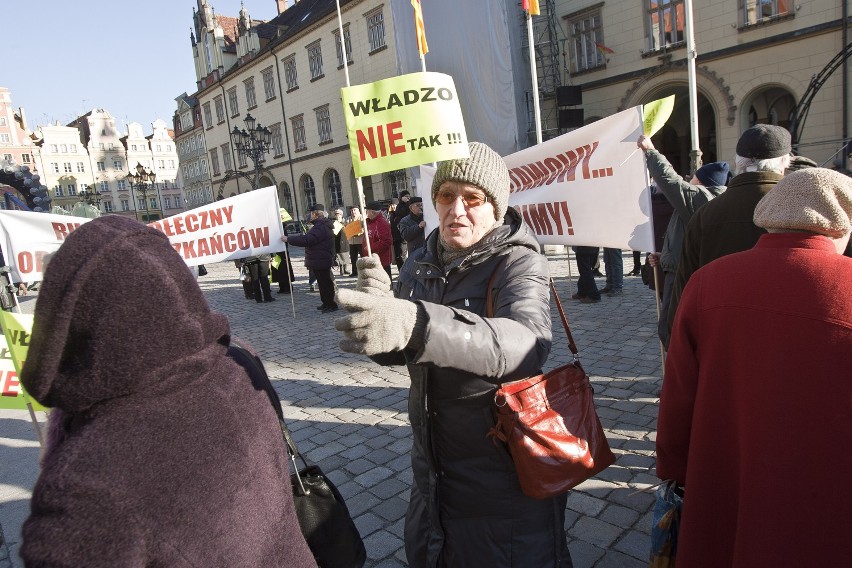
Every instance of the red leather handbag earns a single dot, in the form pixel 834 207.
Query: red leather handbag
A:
pixel 550 425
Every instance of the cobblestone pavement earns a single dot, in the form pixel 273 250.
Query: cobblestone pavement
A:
pixel 349 415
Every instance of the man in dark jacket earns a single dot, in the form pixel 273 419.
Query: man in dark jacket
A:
pixel 725 225
pixel 685 197
pixel 319 254
pixel 413 227
pixel 466 507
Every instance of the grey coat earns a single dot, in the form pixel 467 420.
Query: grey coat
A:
pixel 685 199
pixel 466 506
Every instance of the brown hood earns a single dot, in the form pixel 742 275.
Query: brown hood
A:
pixel 118 314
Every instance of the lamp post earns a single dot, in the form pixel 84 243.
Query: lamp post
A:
pixel 252 142
pixel 139 181
pixel 90 196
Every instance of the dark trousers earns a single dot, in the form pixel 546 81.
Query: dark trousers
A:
pixel 397 254
pixel 260 280
pixel 586 257
pixel 326 286
pixel 354 255
pixel 663 325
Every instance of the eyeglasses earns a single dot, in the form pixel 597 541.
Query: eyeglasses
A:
pixel 470 199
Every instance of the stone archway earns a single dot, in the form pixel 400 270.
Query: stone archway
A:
pixel 715 104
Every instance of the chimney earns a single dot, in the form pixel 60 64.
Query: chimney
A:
pixel 282 5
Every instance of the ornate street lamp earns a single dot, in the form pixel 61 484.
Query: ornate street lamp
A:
pixel 90 196
pixel 252 142
pixel 139 181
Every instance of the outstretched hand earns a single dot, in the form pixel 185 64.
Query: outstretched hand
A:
pixel 375 324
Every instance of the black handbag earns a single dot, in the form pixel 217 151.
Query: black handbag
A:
pixel 325 521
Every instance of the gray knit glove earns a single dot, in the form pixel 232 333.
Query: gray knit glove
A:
pixel 375 324
pixel 372 278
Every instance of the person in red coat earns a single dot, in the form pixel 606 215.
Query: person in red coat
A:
pixel 755 415
pixel 379 232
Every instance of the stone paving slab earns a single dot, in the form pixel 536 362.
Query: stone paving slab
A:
pixel 349 415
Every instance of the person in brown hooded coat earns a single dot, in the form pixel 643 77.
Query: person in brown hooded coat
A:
pixel 160 452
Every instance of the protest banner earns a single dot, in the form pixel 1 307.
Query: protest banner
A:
pixel 14 344
pixel 403 121
pixel 244 225
pixel 586 187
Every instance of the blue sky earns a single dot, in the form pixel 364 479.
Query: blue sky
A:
pixel 61 58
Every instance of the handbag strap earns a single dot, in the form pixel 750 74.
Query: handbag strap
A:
pixel 489 308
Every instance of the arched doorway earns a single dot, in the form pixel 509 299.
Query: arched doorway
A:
pixel 769 105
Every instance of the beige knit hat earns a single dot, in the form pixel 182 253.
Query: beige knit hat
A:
pixel 485 169
pixel 817 200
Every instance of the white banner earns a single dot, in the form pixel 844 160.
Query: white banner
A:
pixel 587 187
pixel 244 225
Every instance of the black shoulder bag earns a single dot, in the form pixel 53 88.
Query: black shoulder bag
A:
pixel 323 516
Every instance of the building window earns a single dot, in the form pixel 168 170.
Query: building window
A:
pixel 208 116
pixel 58 191
pixel 55 167
pixel 153 203
pixel 587 43
pixel 73 148
pixel 66 166
pixel 226 156
pixel 323 124
pixel 757 11
pixel 309 189
pixel 125 205
pixel 214 160
pixel 53 147
pixel 167 202
pixel 108 206
pixel 268 83
pixel 315 60
pixel 299 132
pixel 290 73
pixel 220 111
pixel 2 121
pixel 277 140
pixel 142 204
pixel 334 188
pixel 251 100
pixel 117 164
pixel 5 139
pixel 376 30
pixel 122 185
pixel 398 181
pixel 25 158
pixel 665 22
pixel 101 166
pixel 347 42
pixel 161 164
pixel 81 167
pixel 287 197
pixel 232 101
pixel 104 186
pixel 72 189
pixel 64 148
pixel 7 157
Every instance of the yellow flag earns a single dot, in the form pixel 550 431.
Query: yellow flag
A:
pixel 284 215
pixel 655 114
pixel 17 329
pixel 419 27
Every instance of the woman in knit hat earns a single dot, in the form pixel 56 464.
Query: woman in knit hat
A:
pixel 466 507
pixel 160 452
pixel 754 414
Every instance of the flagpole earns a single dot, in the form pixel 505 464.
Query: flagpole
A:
pixel 691 54
pixel 358 184
pixel 534 75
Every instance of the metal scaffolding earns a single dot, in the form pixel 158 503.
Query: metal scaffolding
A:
pixel 546 42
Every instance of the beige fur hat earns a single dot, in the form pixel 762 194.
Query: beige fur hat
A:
pixel 484 169
pixel 817 200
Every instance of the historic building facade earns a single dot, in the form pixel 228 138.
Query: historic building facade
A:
pixel 287 73
pixel 755 60
pixel 194 174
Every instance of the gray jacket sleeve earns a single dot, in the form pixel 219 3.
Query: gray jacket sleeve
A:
pixel 679 193
pixel 514 344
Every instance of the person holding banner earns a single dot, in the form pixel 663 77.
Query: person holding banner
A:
pixel 466 506
pixel 160 452
pixel 685 197
pixel 319 254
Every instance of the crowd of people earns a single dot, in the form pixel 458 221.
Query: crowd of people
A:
pixel 754 411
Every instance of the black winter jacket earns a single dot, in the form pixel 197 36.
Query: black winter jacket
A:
pixel 318 243
pixel 466 506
